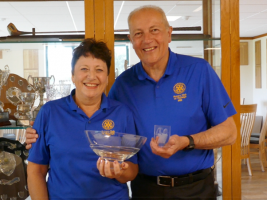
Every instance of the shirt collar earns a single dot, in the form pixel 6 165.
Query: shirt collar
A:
pixel 142 75
pixel 74 106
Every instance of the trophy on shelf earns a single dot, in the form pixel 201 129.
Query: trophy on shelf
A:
pixel 24 102
pixel 39 84
pixel 4 116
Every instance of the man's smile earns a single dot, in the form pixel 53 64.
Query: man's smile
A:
pixel 150 49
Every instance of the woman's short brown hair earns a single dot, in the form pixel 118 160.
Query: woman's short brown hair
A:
pixel 91 47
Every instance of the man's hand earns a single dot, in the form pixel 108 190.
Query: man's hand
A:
pixel 105 171
pixel 175 143
pixel 31 136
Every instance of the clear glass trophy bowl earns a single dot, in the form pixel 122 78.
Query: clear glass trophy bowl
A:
pixel 111 145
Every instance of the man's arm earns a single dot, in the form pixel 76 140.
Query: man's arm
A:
pixel 223 134
pixel 220 135
pixel 36 181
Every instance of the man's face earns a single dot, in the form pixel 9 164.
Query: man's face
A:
pixel 150 38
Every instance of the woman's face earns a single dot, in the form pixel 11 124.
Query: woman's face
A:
pixel 90 78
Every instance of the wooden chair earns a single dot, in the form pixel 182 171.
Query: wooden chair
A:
pixel 247 118
pixel 259 143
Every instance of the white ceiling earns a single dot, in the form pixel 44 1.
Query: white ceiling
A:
pixel 49 16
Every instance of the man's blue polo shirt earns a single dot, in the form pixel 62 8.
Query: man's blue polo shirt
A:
pixel 189 97
pixel 63 145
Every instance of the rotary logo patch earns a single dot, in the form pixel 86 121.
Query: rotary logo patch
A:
pixel 108 124
pixel 179 88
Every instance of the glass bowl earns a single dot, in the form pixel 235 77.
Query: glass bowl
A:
pixel 111 145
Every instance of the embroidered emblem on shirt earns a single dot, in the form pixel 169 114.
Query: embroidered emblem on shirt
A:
pixel 179 88
pixel 108 124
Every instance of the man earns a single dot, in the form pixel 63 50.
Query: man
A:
pixel 178 91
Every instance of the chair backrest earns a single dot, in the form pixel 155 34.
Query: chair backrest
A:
pixel 257 124
pixel 247 119
pixel 263 134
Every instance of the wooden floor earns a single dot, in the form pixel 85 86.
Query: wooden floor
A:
pixel 254 187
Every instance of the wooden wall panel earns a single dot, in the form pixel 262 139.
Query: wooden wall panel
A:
pixel 258 64
pixel 243 53
pixel 30 62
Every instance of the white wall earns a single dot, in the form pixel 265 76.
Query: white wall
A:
pixel 247 78
pixel 133 58
pixel 13 57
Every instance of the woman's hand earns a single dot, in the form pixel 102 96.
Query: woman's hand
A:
pixel 105 170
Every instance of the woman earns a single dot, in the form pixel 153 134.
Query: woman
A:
pixel 75 172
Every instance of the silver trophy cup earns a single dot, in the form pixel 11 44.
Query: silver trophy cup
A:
pixel 39 84
pixel 23 113
pixel 3 78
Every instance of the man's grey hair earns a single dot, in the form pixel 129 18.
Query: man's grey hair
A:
pixel 149 7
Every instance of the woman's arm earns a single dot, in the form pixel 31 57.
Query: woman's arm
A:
pixel 36 181
pixel 123 172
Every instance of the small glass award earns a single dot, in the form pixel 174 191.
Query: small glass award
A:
pixel 163 132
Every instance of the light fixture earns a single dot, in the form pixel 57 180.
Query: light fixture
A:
pixel 215 48
pixel 198 9
pixel 172 18
pixel 183 47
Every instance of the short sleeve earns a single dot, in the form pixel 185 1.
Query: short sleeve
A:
pixel 217 104
pixel 39 153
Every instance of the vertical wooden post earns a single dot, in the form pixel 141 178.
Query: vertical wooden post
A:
pixel 109 38
pixel 207 28
pixel 89 18
pixel 99 24
pixel 225 77
pixel 235 96
pixel 231 163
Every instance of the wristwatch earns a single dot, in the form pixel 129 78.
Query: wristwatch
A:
pixel 191 145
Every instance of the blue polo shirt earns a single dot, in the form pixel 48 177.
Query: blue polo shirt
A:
pixel 63 145
pixel 189 97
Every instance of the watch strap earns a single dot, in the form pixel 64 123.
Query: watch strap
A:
pixel 191 145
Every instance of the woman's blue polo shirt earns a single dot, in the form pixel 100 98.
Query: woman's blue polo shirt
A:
pixel 63 145
pixel 189 97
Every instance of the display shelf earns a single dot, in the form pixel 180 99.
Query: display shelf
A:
pixel 13 126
